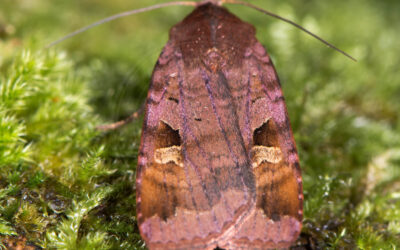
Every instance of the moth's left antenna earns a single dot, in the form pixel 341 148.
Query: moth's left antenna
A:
pixel 119 15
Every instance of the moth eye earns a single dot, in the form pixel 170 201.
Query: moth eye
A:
pixel 168 145
pixel 265 144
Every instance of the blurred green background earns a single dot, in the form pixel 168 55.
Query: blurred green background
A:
pixel 65 185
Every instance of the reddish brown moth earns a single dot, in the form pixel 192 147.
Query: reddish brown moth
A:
pixel 218 165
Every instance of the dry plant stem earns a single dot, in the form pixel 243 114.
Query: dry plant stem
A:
pixel 117 125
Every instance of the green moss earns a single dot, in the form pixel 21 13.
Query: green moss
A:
pixel 53 160
pixel 65 185
pixel 66 233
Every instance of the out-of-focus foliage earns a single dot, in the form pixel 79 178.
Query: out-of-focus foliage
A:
pixel 64 185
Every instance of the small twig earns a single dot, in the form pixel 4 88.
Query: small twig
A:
pixel 116 125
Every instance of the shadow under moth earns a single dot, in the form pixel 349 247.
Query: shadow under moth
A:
pixel 218 166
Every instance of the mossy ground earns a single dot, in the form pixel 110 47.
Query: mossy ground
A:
pixel 65 185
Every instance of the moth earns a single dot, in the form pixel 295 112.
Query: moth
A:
pixel 218 165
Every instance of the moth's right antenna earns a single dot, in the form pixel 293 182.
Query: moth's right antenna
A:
pixel 119 15
pixel 290 22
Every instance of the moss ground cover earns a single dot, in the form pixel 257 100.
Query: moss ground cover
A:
pixel 65 185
